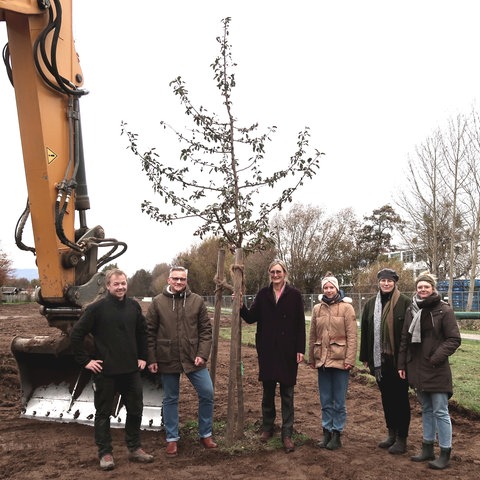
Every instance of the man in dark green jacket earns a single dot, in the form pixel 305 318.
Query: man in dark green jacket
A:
pixel 381 328
pixel 179 341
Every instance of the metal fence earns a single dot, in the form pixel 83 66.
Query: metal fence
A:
pixel 358 301
pixel 17 298
pixel 309 300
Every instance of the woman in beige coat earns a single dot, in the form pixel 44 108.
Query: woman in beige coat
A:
pixel 332 351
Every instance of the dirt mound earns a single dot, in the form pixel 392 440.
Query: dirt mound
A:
pixel 44 450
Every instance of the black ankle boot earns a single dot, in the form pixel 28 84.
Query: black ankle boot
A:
pixel 327 436
pixel 399 447
pixel 334 442
pixel 426 453
pixel 443 461
pixel 390 440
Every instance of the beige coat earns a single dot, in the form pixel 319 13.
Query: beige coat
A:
pixel 333 335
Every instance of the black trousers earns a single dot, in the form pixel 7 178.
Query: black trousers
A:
pixel 395 399
pixel 129 386
pixel 269 411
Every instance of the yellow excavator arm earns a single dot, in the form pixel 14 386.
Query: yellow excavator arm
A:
pixel 45 73
pixel 44 69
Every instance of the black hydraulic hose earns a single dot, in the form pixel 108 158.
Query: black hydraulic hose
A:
pixel 59 215
pixel 6 61
pixel 19 230
pixel 63 85
pixel 108 257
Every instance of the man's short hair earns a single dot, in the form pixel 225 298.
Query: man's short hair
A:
pixel 177 268
pixel 111 272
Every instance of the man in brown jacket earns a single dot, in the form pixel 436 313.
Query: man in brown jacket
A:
pixel 179 341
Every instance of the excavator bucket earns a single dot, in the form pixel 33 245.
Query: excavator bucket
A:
pixel 56 388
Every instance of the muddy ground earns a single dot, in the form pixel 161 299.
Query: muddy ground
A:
pixel 34 450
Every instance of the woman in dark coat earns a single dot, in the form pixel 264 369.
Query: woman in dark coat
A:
pixel 430 335
pixel 278 311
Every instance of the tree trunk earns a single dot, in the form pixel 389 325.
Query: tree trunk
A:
pixel 217 313
pixel 235 409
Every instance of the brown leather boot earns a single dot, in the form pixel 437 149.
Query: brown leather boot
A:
pixel 266 435
pixel 171 450
pixel 208 443
pixel 288 445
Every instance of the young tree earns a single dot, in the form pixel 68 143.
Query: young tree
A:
pixel 218 181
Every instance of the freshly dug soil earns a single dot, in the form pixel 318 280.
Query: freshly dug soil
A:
pixel 39 450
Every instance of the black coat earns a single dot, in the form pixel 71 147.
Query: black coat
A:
pixel 119 331
pixel 280 333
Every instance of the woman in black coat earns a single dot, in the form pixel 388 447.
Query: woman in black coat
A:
pixel 278 311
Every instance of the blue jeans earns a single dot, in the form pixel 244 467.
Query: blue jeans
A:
pixel 435 418
pixel 202 383
pixel 332 385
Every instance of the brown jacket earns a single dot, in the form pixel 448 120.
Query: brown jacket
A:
pixel 333 335
pixel 426 363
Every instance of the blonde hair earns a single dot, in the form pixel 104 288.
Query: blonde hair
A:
pixel 277 261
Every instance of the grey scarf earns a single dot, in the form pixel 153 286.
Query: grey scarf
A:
pixel 414 328
pixel 377 337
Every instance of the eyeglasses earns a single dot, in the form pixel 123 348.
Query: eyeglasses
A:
pixel 179 279
pixel 276 272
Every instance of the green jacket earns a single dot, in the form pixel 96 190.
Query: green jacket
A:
pixel 178 330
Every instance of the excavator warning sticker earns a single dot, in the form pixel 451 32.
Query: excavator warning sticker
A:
pixel 51 156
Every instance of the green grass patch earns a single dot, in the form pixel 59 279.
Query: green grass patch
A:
pixel 465 363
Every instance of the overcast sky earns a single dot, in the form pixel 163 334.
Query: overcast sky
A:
pixel 372 80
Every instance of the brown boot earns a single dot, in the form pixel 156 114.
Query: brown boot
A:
pixel 288 445
pixel 171 450
pixel 266 435
pixel 208 443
